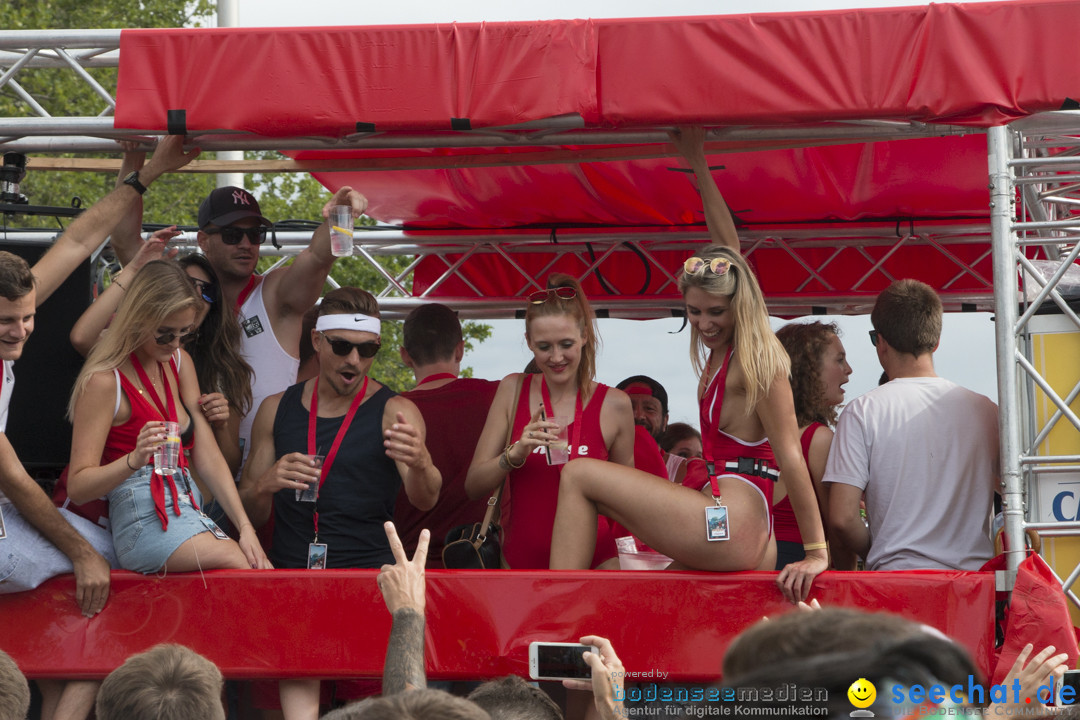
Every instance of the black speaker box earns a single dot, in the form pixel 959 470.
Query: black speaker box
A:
pixel 37 422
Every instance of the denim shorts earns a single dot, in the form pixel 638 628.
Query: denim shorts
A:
pixel 141 545
pixel 27 559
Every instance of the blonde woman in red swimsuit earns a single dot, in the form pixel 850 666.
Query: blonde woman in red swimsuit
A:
pixel 723 522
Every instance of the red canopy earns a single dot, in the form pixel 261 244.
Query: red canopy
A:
pixel 794 96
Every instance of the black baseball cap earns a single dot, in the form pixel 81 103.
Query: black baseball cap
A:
pixel 226 205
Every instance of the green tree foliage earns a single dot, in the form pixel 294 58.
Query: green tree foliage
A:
pixel 62 94
pixel 173 199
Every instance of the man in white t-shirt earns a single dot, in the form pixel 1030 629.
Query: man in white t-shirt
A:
pixel 923 450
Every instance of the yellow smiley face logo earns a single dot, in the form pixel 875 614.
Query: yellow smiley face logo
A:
pixel 862 693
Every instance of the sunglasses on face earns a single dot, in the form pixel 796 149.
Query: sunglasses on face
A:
pixel 562 293
pixel 694 265
pixel 207 290
pixel 233 235
pixel 167 338
pixel 873 337
pixel 340 347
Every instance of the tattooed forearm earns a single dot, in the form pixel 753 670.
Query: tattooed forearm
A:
pixel 404 666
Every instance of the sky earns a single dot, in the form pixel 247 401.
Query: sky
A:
pixel 266 13
pixel 653 347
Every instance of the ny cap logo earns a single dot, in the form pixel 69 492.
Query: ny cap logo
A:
pixel 240 198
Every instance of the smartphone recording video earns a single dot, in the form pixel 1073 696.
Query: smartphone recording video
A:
pixel 558 661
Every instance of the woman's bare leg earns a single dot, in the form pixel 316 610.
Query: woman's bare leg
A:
pixel 669 518
pixel 206 552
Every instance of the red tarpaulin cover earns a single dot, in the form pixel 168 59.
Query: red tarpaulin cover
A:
pixel 333 623
pixel 977 63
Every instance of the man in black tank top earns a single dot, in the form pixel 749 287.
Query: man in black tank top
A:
pixel 371 441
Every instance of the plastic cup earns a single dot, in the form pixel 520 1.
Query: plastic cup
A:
pixel 559 450
pixel 341 231
pixel 312 491
pixel 167 454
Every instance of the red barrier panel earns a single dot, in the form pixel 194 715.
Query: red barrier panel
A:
pixel 333 623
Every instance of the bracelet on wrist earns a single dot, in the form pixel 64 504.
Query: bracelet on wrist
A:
pixel 116 282
pixel 127 461
pixel 815 546
pixel 509 462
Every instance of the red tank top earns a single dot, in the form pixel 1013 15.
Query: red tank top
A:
pixel 122 439
pixel 719 447
pixel 786 528
pixel 532 491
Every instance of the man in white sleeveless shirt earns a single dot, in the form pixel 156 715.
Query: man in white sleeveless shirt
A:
pixel 271 307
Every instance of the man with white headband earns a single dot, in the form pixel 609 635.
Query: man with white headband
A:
pixel 328 457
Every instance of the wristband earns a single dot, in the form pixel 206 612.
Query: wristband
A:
pixel 116 282
pixel 127 461
pixel 815 546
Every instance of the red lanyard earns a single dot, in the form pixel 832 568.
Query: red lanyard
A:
pixel 252 281
pixel 710 423
pixel 167 412
pixel 313 420
pixel 550 410
pixel 437 376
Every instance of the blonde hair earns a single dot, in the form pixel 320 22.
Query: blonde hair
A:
pixel 159 290
pixel 578 308
pixel 757 350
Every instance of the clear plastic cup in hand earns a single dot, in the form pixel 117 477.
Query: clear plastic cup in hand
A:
pixel 559 450
pixel 167 455
pixel 312 491
pixel 341 231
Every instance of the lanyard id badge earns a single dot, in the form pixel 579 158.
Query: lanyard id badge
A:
pixel 212 526
pixel 717 521
pixel 316 556
pixel 717 524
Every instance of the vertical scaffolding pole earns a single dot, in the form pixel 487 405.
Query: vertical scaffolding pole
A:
pixel 1006 301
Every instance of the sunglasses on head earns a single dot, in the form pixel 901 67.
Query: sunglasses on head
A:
pixel 233 235
pixel 340 347
pixel 694 265
pixel 207 290
pixel 169 337
pixel 562 293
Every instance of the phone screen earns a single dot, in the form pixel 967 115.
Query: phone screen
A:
pixel 562 661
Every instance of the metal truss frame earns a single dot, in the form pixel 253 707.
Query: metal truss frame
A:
pixel 1035 215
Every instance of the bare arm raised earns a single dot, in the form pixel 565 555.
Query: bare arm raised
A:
pixel 90 229
pixel 691 144
pixel 290 291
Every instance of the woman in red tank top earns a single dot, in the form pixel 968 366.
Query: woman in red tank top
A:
pixel 135 379
pixel 819 371
pixel 559 329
